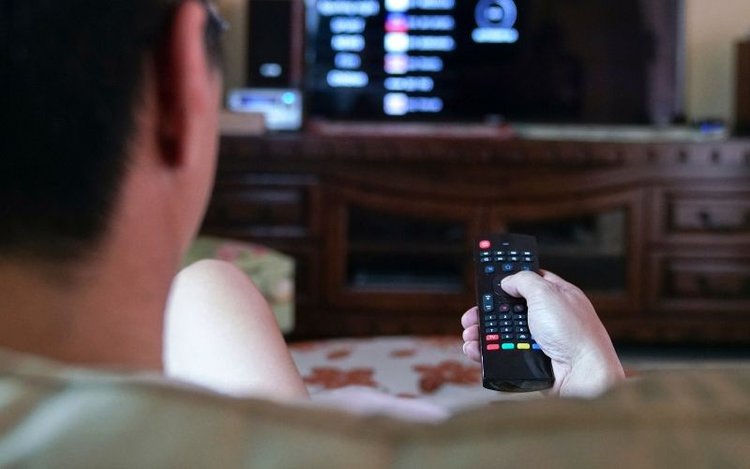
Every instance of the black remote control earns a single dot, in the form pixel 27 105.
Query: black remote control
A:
pixel 511 359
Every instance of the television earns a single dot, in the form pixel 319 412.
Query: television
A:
pixel 540 61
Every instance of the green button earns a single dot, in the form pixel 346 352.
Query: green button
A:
pixel 508 346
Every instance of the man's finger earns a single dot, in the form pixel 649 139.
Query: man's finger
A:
pixel 470 317
pixel 554 278
pixel 471 333
pixel 519 284
pixel 471 350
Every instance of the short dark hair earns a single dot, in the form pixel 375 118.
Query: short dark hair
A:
pixel 70 78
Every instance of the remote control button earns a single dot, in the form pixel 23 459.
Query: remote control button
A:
pixel 513 253
pixel 506 323
pixel 522 330
pixel 499 253
pixel 493 346
pixel 490 317
pixel 485 259
pixel 487 303
pixel 496 287
pixel 523 346
pixel 489 269
pixel 507 336
pixel 536 347
pixel 515 259
pixel 506 329
pixel 519 308
pixel 507 267
pixel 504 307
pixel 519 317
pixel 506 316
pixel 523 337
pixel 490 329
pixel 485 244
pixel 500 259
pixel 508 346
pixel 491 337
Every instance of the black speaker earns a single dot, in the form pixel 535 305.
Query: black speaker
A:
pixel 742 95
pixel 274 43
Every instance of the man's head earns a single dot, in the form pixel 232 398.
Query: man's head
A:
pixel 72 76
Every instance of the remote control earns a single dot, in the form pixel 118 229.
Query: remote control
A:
pixel 511 359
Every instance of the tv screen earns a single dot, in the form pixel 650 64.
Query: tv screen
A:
pixel 551 61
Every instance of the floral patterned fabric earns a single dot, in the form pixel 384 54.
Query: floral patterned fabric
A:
pixel 430 369
pixel 271 271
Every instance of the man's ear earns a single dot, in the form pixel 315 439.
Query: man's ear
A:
pixel 183 85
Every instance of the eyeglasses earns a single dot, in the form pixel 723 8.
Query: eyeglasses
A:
pixel 216 23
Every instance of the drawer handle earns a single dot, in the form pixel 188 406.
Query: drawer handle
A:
pixel 705 219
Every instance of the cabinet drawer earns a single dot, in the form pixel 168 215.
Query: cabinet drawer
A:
pixel 693 278
pixel 702 283
pixel 265 211
pixel 688 214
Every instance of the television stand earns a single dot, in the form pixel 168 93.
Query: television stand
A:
pixel 618 133
pixel 411 129
pixel 655 231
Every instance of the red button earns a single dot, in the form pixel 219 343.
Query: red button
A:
pixel 491 337
pixel 493 346
pixel 484 244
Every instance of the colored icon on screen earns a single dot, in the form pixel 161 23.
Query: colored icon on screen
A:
pixel 396 64
pixel 396 104
pixel 396 42
pixel 396 23
pixel 397 5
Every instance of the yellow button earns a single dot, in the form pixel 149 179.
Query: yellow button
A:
pixel 523 346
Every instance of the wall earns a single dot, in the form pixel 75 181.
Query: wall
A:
pixel 711 29
pixel 235 12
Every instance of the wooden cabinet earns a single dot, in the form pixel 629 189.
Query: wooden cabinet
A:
pixel 657 234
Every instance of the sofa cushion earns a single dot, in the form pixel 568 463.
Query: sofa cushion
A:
pixel 63 418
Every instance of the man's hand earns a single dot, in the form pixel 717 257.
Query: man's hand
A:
pixel 564 323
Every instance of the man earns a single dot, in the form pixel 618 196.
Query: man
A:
pixel 108 160
pixel 109 121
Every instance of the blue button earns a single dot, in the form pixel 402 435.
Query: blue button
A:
pixel 536 346
pixel 489 269
pixel 507 267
